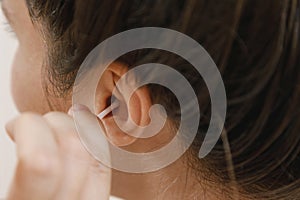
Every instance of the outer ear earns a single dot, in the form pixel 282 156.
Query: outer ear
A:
pixel 138 107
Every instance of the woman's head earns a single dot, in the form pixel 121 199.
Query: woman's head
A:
pixel 254 43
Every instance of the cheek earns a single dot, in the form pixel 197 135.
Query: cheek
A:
pixel 26 82
pixel 27 73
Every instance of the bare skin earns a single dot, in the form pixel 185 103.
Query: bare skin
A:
pixel 52 162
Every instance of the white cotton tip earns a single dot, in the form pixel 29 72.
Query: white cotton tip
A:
pixel 108 110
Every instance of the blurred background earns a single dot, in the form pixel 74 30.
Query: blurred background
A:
pixel 7 110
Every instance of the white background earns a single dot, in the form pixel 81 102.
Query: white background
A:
pixel 7 110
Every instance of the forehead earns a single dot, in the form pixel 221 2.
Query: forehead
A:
pixel 14 10
pixel 18 16
pixel 6 11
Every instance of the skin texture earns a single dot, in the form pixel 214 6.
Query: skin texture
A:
pixel 52 162
pixel 26 69
pixel 51 153
pixel 255 45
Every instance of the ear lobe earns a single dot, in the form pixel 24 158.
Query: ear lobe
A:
pixel 138 106
pixel 115 135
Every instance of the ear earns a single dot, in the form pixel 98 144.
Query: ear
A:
pixel 138 106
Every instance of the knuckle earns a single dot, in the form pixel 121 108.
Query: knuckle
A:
pixel 40 163
pixel 27 118
pixel 57 119
pixel 52 115
pixel 72 146
pixel 73 143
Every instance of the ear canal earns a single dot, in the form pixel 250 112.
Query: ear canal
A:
pixel 108 110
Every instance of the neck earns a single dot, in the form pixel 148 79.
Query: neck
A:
pixel 176 181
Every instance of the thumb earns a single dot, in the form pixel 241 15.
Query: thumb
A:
pixel 88 127
pixel 91 133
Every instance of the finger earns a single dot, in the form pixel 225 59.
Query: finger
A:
pixel 75 159
pixel 66 135
pixel 98 183
pixel 9 128
pixel 88 128
pixel 83 173
pixel 38 170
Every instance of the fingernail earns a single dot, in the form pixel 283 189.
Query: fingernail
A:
pixel 70 112
pixel 9 127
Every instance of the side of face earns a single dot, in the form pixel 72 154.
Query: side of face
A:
pixel 26 76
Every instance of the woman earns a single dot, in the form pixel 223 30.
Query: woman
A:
pixel 255 44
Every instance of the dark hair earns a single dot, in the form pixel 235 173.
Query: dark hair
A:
pixel 256 46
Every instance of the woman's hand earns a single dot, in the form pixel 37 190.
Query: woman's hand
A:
pixel 52 163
